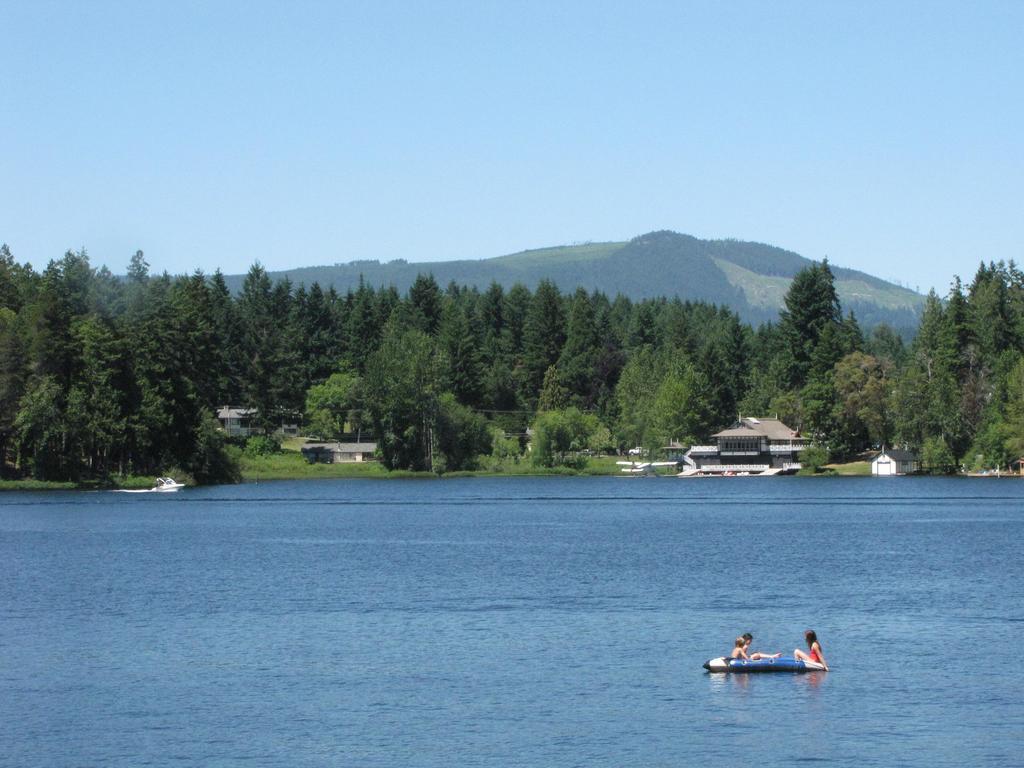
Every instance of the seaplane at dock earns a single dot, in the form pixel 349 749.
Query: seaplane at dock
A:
pixel 647 468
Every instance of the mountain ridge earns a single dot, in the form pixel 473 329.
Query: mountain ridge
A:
pixel 749 277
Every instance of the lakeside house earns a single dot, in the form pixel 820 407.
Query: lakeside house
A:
pixel 238 422
pixel 750 447
pixel 338 452
pixel 893 461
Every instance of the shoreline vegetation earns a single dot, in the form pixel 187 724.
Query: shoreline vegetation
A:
pixel 108 381
pixel 289 464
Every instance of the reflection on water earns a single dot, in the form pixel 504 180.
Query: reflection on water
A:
pixel 719 682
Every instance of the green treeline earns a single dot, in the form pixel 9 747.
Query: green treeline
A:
pixel 103 376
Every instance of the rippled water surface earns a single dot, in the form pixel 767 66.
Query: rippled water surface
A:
pixel 512 622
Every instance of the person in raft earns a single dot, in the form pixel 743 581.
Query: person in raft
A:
pixel 815 655
pixel 739 650
pixel 743 643
pixel 748 639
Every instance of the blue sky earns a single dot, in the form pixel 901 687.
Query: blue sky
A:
pixel 886 136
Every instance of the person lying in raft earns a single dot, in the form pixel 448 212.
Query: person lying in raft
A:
pixel 749 638
pixel 816 654
pixel 740 650
pixel 756 654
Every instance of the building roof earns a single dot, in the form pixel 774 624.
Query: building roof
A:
pixel 773 429
pixel 897 454
pixel 234 412
pixel 341 447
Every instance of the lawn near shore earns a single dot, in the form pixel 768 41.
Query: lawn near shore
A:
pixel 851 469
pixel 290 465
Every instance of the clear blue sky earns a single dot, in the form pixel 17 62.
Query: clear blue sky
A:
pixel 886 136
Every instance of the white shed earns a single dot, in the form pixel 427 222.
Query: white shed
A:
pixel 895 462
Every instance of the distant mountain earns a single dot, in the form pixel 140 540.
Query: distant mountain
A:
pixel 750 278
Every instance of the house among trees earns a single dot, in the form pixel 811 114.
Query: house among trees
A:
pixel 338 453
pixel 750 446
pixel 237 422
pixel 241 422
pixel 895 462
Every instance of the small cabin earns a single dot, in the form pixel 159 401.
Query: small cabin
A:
pixel 338 453
pixel 895 462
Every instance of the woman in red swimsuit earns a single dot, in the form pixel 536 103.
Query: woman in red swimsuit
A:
pixel 815 655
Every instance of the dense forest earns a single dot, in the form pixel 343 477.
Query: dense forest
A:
pixel 102 376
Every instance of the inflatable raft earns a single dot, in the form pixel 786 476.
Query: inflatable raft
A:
pixel 781 664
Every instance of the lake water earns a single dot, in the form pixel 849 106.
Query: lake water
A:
pixel 512 622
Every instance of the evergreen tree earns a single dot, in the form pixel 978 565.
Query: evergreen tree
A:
pixel 931 409
pixel 460 342
pixel 426 304
pixel 812 306
pixel 635 394
pixel 577 363
pixel 40 429
pixel 496 342
pixel 229 357
pixel 643 329
pixel 13 374
pixel 269 351
pixel 517 307
pixel 988 313
pixel 543 337
pixel 363 327
pixel 64 294
pixel 138 269
pixel 94 419
pixel 318 341
pixel 201 353
pixel 10 290
pixel 885 344
pixel 554 395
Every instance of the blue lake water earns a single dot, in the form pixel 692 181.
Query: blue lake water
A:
pixel 512 622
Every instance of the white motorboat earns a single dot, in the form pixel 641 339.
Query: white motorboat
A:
pixel 163 485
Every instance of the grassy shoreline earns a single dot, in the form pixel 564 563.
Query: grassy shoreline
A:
pixel 129 482
pixel 290 465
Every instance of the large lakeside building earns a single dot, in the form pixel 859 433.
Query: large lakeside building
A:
pixel 750 446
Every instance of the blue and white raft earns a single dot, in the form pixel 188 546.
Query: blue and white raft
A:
pixel 781 664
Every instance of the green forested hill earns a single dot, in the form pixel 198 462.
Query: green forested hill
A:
pixel 751 278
